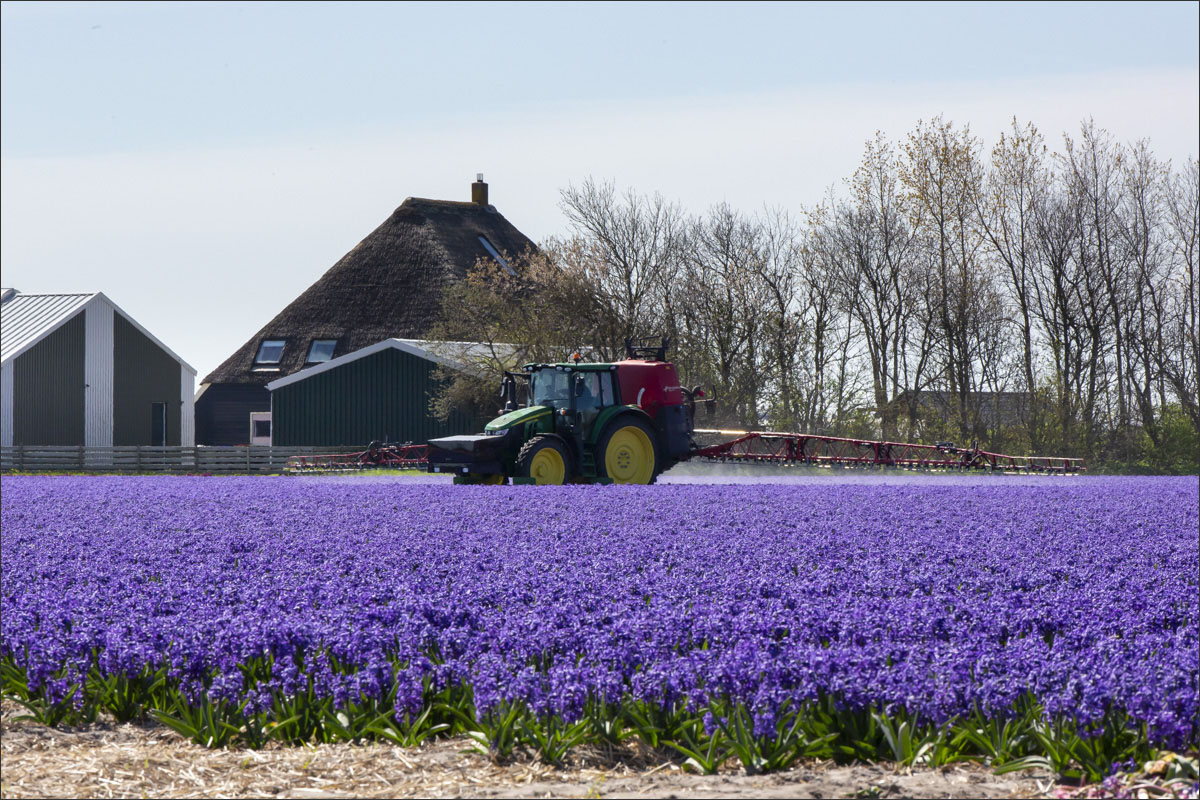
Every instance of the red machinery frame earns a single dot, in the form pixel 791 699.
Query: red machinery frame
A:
pixel 388 456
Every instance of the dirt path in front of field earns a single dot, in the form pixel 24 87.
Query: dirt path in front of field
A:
pixel 109 760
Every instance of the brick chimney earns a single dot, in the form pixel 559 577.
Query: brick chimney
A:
pixel 479 191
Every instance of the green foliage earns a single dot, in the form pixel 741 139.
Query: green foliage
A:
pixel 1176 453
pixel 703 738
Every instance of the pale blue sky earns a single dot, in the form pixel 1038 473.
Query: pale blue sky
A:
pixel 88 78
pixel 179 150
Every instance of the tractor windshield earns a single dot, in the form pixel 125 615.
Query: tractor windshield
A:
pixel 550 387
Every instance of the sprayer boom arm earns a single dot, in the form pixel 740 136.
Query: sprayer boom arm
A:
pixel 761 447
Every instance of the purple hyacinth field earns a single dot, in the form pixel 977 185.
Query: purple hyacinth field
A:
pixel 1017 621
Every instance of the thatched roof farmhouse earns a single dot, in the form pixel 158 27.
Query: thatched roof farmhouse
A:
pixel 389 286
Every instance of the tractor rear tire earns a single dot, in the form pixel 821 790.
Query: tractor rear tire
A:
pixel 626 452
pixel 545 459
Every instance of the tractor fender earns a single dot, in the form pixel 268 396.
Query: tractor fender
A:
pixel 609 414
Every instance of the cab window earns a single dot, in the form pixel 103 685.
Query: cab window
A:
pixel 607 397
pixel 551 387
pixel 590 394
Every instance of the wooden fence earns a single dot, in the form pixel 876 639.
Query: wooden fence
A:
pixel 226 460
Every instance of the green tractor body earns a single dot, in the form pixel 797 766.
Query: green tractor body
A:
pixel 622 422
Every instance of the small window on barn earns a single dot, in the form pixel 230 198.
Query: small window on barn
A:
pixel 321 350
pixel 494 253
pixel 260 428
pixel 270 352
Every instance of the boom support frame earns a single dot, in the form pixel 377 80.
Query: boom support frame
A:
pixel 762 447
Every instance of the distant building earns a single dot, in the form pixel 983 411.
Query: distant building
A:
pixel 388 287
pixel 993 410
pixel 77 370
pixel 381 392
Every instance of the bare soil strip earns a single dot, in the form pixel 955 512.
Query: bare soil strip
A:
pixel 130 760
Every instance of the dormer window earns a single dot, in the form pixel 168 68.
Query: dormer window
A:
pixel 320 350
pixel 495 254
pixel 270 352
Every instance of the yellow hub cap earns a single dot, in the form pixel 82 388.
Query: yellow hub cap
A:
pixel 493 480
pixel 629 457
pixel 547 467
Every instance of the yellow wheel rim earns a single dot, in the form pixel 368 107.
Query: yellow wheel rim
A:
pixel 493 480
pixel 547 467
pixel 629 457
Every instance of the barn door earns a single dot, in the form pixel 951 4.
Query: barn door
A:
pixel 158 424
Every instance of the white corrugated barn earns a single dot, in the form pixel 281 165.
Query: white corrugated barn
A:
pixel 77 370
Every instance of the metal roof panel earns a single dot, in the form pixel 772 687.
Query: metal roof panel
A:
pixel 26 318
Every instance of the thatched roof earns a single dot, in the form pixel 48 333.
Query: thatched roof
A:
pixel 389 286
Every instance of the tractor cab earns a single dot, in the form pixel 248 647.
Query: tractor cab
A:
pixel 580 390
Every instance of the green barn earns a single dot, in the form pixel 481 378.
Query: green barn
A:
pixel 378 393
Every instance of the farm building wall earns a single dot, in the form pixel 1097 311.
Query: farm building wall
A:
pixel 384 396
pixel 223 412
pixel 143 374
pixel 98 374
pixel 6 404
pixel 48 388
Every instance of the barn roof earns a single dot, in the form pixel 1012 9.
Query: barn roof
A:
pixel 463 356
pixel 389 286
pixel 26 319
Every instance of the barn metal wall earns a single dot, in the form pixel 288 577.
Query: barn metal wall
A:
pixel 6 404
pixel 98 374
pixel 382 396
pixel 48 388
pixel 143 374
pixel 187 393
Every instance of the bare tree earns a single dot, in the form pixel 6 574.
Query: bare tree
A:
pixel 721 300
pixel 628 249
pixel 943 178
pixel 1144 181
pixel 788 326
pixel 866 246
pixel 827 334
pixel 1017 189
pixel 1092 168
pixel 1179 358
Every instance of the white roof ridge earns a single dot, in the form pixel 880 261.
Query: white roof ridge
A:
pixel 56 294
pixel 411 346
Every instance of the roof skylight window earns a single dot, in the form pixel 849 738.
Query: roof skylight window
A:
pixel 494 253
pixel 321 350
pixel 270 352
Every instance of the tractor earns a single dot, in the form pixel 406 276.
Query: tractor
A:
pixel 622 422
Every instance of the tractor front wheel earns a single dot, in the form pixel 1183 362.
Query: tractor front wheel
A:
pixel 544 459
pixel 626 453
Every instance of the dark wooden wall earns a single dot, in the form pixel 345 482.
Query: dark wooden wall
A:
pixel 223 412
